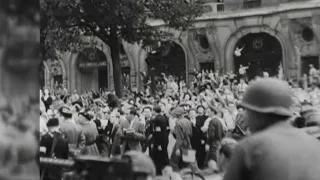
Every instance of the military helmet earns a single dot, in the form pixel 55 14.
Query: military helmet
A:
pixel 141 163
pixel 268 95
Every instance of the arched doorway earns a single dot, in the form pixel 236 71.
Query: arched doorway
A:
pixel 260 52
pixel 103 78
pixel 170 59
pixel 92 64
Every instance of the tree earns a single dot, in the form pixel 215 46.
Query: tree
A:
pixel 112 21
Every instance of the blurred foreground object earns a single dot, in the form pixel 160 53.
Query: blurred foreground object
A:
pixel 133 165
pixel 275 149
pixel 268 96
pixel 19 99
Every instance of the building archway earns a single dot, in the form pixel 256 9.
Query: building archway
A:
pixel 260 52
pixel 92 70
pixel 169 58
pixel 234 38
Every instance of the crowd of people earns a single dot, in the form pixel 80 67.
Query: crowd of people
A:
pixel 203 122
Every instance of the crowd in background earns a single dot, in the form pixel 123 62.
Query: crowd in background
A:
pixel 200 120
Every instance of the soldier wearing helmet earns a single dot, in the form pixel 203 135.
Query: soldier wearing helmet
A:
pixel 275 149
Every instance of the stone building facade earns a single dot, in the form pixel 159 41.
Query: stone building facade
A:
pixel 293 27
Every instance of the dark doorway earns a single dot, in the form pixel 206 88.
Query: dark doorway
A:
pixel 260 52
pixel 103 78
pixel 91 61
pixel 125 70
pixel 207 66
pixel 169 59
pixel 306 61
pixel 57 80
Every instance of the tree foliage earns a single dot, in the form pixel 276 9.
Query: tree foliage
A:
pixel 64 22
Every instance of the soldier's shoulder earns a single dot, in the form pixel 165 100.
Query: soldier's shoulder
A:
pixel 257 140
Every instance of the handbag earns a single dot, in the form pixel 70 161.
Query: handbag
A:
pixel 188 155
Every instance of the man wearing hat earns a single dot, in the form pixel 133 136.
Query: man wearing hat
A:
pixel 146 118
pixel 183 133
pixel 53 144
pixel 158 139
pixel 132 132
pixel 47 141
pixel 275 150
pixel 72 131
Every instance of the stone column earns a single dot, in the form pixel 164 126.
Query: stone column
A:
pixel 189 59
pixel 215 46
pixel 291 63
pixel 132 51
pixel 142 66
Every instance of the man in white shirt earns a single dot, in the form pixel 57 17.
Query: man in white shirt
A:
pixel 243 70
pixel 312 74
pixel 265 74
pixel 312 70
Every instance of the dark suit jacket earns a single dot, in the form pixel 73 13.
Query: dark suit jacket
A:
pixel 61 150
pixel 197 135
pixel 159 129
pixel 280 152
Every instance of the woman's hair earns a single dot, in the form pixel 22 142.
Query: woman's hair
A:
pixel 185 94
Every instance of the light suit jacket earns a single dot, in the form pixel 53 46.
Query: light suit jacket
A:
pixel 133 141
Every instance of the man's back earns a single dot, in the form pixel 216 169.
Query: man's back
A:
pixel 278 153
pixel 71 131
pixel 160 121
pixel 61 148
pixel 160 131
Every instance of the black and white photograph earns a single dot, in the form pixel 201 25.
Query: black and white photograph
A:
pixel 160 90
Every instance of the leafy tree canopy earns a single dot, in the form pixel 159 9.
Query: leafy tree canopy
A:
pixel 63 22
